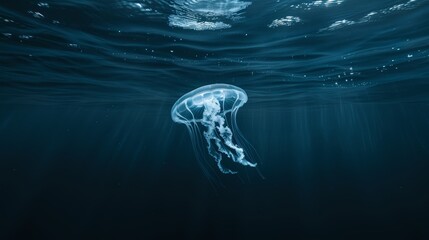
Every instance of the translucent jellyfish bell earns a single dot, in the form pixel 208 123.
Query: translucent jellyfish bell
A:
pixel 209 112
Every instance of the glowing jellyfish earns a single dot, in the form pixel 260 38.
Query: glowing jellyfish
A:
pixel 207 112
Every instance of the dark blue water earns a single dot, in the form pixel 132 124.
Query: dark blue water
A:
pixel 338 113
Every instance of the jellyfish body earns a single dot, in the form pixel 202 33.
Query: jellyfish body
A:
pixel 209 112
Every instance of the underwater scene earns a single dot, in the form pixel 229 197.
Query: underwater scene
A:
pixel 214 119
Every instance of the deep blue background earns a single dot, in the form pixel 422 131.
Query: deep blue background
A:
pixel 340 119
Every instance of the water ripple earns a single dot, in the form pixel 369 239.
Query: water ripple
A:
pixel 144 52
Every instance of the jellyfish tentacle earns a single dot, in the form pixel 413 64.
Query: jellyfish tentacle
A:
pixel 226 134
pixel 219 163
pixel 209 121
pixel 214 121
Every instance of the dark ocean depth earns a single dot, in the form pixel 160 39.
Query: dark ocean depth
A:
pixel 337 117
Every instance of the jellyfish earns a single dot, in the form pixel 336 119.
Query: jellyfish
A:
pixel 209 113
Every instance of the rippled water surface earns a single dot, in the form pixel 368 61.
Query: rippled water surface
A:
pixel 152 51
pixel 337 113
